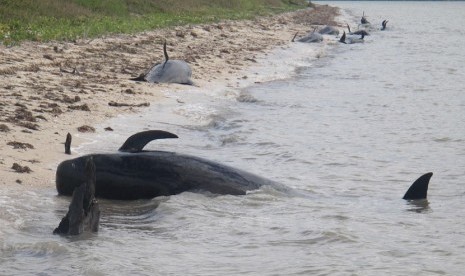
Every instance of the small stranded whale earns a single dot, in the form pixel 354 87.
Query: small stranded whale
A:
pixel 171 71
pixel 359 32
pixel 364 19
pixel 134 173
pixel 329 30
pixel 419 189
pixel 312 37
pixel 351 40
pixel 383 25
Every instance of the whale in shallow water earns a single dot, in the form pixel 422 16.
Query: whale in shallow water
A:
pixel 384 24
pixel 419 189
pixel 133 173
pixel 351 39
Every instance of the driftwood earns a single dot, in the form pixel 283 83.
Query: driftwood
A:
pixel 68 144
pixel 84 213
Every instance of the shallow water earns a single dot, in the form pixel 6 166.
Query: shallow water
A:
pixel 351 130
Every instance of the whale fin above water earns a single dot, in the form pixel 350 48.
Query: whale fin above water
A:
pixel 419 188
pixel 137 142
pixel 383 24
pixel 343 38
pixel 165 53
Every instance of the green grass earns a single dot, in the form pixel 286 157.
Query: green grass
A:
pixel 45 20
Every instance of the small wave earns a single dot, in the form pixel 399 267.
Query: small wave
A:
pixel 447 139
pixel 38 249
pixel 138 214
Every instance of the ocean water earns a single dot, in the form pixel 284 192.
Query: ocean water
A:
pixel 350 126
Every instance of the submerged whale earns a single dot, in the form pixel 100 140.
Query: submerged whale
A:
pixel 133 173
pixel 171 71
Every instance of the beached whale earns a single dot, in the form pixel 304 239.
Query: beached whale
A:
pixel 351 39
pixel 329 30
pixel 171 71
pixel 133 173
pixel 312 37
pixel 359 32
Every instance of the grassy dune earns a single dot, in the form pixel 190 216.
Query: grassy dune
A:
pixel 45 20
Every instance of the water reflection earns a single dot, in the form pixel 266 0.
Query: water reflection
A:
pixel 418 206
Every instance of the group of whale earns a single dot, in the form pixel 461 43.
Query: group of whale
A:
pixel 179 71
pixel 134 173
pixel 346 38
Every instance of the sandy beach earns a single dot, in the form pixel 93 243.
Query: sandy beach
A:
pixel 51 89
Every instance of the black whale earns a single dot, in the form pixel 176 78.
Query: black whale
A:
pixel 136 174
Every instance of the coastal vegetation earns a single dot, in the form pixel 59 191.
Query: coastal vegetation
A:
pixel 47 20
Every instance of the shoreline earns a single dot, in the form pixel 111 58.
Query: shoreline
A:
pixel 50 89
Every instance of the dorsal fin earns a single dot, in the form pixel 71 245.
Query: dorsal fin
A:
pixel 419 188
pixel 165 53
pixel 343 38
pixel 137 142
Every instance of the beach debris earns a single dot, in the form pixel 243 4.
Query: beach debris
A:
pixel 86 128
pixel 4 128
pixel 116 104
pixel 28 125
pixel 68 143
pixel 73 72
pixel 49 57
pixel 83 212
pixel 83 107
pixel 20 145
pixel 21 169
pixel 108 129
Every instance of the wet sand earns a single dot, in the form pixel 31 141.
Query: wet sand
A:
pixel 51 89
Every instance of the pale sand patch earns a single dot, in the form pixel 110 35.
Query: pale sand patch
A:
pixel 46 88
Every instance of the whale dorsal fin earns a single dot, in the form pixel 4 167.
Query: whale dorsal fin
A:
pixel 137 142
pixel 419 188
pixel 343 38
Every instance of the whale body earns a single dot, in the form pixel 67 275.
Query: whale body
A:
pixel 171 71
pixel 133 173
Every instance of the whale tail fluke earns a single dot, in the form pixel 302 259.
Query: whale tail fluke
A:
pixel 137 142
pixel 383 24
pixel 419 188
